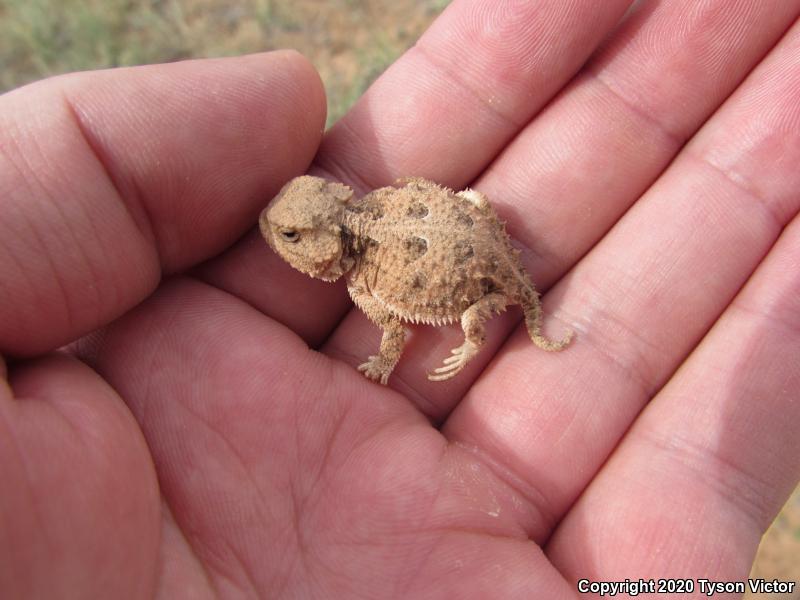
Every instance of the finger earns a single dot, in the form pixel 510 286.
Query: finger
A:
pixel 79 512
pixel 488 65
pixel 107 178
pixel 443 111
pixel 585 159
pixel 644 296
pixel 714 455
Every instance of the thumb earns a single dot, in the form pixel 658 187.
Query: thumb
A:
pixel 109 178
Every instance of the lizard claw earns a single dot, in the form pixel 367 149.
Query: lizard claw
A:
pixel 376 369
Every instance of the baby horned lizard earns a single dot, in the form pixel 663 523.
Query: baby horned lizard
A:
pixel 419 253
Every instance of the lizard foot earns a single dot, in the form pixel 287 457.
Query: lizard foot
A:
pixel 376 369
pixel 453 364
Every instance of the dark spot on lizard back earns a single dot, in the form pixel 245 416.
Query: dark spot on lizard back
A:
pixel 415 247
pixel 373 209
pixel 464 219
pixel 463 251
pixel 417 210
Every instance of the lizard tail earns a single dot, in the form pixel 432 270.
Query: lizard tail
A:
pixel 528 297
pixel 532 309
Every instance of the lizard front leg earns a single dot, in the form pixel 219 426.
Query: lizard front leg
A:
pixel 379 367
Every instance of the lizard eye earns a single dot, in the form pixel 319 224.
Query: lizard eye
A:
pixel 290 235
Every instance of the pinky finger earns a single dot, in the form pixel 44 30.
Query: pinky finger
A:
pixel 709 463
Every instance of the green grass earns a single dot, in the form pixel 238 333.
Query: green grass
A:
pixel 42 37
pixel 350 41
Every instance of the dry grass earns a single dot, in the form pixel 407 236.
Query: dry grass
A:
pixel 779 553
pixel 350 42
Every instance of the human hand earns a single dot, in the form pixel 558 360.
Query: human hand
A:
pixel 206 450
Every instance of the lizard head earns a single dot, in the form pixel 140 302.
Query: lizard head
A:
pixel 303 224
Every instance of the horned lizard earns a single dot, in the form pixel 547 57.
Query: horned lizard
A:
pixel 417 253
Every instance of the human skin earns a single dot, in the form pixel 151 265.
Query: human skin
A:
pixel 203 431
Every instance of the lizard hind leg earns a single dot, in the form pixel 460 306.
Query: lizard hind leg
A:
pixel 472 322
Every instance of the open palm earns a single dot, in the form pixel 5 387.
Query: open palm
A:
pixel 205 432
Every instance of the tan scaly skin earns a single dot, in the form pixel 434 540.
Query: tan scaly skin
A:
pixel 417 253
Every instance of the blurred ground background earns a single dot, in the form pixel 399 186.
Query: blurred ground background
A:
pixel 349 41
